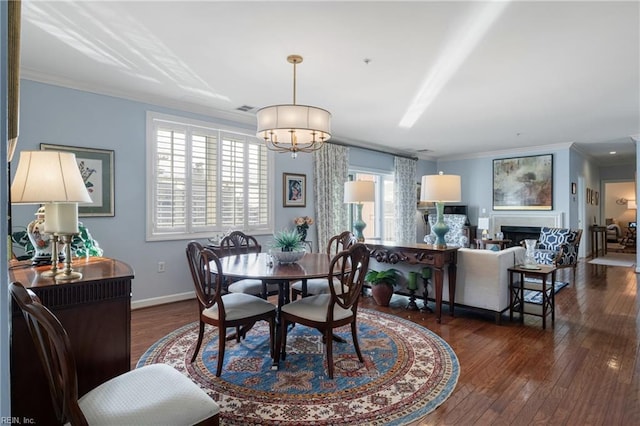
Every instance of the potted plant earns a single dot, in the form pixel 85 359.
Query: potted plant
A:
pixel 382 284
pixel 287 240
pixel 288 246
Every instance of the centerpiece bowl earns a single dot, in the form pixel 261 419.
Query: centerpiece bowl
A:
pixel 287 257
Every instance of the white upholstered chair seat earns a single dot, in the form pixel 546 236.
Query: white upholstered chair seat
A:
pixel 315 308
pixel 156 394
pixel 251 286
pixel 317 286
pixel 240 305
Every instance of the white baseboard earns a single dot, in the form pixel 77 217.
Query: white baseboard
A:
pixel 154 301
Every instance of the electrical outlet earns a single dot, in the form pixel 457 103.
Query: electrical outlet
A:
pixel 161 267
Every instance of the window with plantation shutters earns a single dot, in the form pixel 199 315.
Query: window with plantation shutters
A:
pixel 205 180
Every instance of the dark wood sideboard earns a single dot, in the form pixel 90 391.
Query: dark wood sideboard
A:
pixel 96 312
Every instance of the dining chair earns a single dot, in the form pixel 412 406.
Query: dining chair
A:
pixel 238 310
pixel 325 312
pixel 150 395
pixel 237 242
pixel 336 244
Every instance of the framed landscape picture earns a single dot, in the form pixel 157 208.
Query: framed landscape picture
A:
pixel 523 183
pixel 294 190
pixel 96 168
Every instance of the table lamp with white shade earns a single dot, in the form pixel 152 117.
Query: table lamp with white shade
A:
pixel 358 192
pixel 483 223
pixel 52 178
pixel 440 189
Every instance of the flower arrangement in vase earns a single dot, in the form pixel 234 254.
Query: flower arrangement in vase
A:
pixel 302 225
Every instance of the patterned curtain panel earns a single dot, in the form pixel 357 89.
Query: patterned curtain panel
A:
pixel 330 172
pixel 406 199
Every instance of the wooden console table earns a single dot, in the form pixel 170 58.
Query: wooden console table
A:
pixel 422 254
pixel 96 312
pixel 598 240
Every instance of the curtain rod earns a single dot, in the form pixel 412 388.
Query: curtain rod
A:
pixel 372 149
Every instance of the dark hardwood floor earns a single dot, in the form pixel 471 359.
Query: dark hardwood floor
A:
pixel 585 371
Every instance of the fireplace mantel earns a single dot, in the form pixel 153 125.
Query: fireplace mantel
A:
pixel 552 220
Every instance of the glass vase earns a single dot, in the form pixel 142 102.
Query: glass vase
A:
pixel 530 254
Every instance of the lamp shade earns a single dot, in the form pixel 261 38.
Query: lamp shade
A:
pixel 359 191
pixel 294 124
pixel 291 127
pixel 631 205
pixel 48 176
pixel 440 188
pixel 483 223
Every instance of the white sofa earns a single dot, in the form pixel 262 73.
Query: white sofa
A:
pixel 482 279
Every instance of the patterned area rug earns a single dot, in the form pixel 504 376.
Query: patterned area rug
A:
pixel 615 259
pixel 408 372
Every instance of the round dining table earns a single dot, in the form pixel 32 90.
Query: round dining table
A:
pixel 262 266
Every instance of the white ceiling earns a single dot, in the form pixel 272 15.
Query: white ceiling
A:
pixel 499 76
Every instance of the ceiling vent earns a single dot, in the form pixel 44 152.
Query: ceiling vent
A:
pixel 245 108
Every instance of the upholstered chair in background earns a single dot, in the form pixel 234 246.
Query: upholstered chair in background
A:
pixel 558 247
pixel 456 236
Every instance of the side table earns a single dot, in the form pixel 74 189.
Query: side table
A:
pixel 518 284
pixel 598 240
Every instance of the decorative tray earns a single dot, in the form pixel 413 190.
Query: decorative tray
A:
pixel 532 267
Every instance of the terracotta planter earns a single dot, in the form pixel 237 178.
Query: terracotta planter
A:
pixel 382 294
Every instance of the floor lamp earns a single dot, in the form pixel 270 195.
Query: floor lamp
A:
pixel 440 188
pixel 358 192
pixel 52 178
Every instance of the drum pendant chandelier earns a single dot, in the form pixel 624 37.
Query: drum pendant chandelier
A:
pixel 294 128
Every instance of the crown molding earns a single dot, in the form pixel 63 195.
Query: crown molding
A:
pixel 154 100
pixel 535 149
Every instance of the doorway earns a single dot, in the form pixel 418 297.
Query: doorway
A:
pixel 619 210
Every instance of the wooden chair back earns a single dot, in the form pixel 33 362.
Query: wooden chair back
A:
pixel 350 267
pixel 238 242
pixel 340 242
pixel 54 350
pixel 208 286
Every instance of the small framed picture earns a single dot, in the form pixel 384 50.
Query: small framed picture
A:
pixel 96 168
pixel 294 190
pixel 573 188
pixel 596 198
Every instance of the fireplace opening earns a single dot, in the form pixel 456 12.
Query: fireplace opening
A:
pixel 517 234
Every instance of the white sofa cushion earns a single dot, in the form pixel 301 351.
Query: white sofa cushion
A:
pixel 482 277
